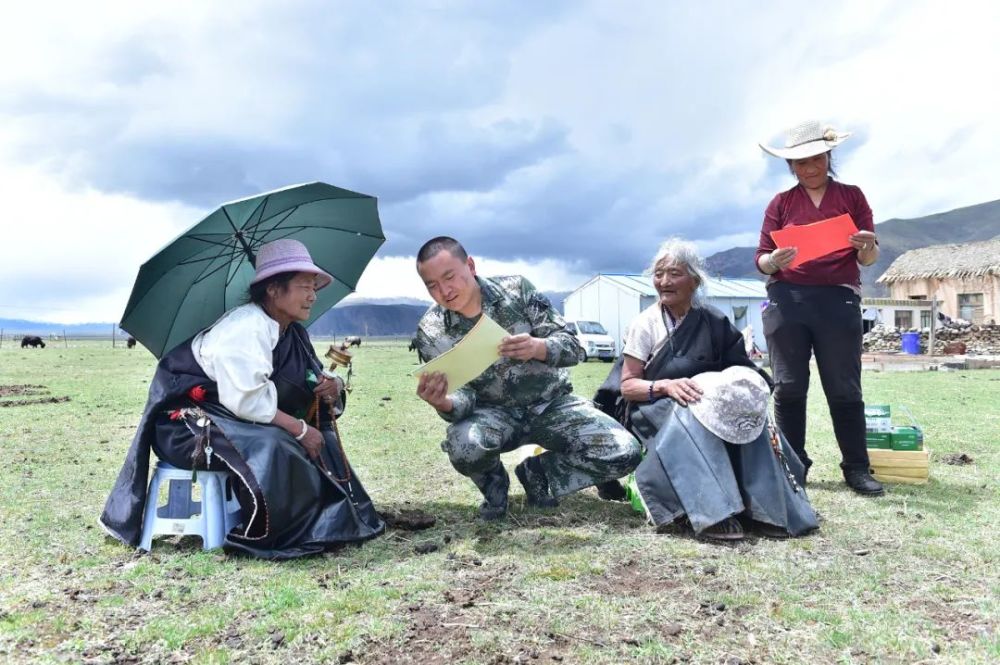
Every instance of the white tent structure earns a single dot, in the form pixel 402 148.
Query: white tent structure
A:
pixel 614 299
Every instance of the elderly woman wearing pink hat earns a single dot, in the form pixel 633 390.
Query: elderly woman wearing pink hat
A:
pixel 815 307
pixel 248 395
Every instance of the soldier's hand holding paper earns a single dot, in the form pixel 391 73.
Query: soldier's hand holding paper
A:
pixel 522 347
pixel 462 363
pixel 433 389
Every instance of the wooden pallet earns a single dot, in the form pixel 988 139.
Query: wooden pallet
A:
pixel 900 466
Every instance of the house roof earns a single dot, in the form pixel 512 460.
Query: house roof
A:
pixel 894 302
pixel 971 259
pixel 715 287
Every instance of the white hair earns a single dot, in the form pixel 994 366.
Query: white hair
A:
pixel 675 251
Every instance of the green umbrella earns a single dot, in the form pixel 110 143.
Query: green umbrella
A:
pixel 206 271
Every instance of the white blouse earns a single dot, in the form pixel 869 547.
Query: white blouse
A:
pixel 648 333
pixel 236 353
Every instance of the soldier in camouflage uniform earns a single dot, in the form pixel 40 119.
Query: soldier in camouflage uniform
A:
pixel 524 397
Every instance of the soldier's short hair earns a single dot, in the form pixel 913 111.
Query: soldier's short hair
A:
pixel 434 246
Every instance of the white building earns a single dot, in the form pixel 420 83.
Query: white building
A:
pixel 905 314
pixel 615 299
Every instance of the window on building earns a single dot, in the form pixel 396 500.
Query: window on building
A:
pixel 904 318
pixel 918 297
pixel 970 307
pixel 925 318
pixel 740 316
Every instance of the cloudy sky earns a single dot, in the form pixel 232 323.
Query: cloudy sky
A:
pixel 556 139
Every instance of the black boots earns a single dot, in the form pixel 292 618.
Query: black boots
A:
pixel 611 490
pixel 861 481
pixel 536 485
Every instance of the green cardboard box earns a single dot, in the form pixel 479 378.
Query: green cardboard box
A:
pixel 878 418
pixel 907 438
pixel 877 411
pixel 879 439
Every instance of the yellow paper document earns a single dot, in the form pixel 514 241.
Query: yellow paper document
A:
pixel 470 357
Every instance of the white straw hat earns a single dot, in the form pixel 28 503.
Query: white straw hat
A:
pixel 806 140
pixel 733 405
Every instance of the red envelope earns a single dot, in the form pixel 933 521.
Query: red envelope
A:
pixel 816 239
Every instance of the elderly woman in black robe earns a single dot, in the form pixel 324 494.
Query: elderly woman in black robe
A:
pixel 689 473
pixel 249 396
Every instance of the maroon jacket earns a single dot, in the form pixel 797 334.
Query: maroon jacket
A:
pixel 793 208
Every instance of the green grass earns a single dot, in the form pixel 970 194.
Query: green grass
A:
pixel 909 577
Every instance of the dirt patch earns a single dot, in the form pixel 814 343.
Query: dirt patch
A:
pixel 443 630
pixel 956 459
pixel 23 390
pixel 439 635
pixel 633 577
pixel 29 402
pixel 472 588
pixel 37 393
pixel 957 624
pixel 408 520
pixel 434 636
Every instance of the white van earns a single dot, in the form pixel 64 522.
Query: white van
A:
pixel 594 340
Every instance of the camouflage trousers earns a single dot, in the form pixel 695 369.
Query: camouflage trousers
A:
pixel 583 446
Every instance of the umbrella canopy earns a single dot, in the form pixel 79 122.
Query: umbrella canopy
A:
pixel 207 270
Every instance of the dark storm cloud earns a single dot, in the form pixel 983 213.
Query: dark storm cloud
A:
pixel 588 216
pixel 378 99
pixel 416 107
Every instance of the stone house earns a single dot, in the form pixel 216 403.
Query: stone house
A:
pixel 964 279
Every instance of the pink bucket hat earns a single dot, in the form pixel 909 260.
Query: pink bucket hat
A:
pixel 287 255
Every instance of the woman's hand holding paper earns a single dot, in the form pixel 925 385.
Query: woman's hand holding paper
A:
pixel 782 257
pixel 865 243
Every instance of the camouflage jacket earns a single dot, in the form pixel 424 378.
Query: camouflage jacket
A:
pixel 519 308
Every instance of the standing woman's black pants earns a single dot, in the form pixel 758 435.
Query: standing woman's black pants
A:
pixel 800 321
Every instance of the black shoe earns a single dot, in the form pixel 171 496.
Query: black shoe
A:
pixel 536 485
pixel 728 529
pixel 489 512
pixel 612 491
pixel 862 482
pixel 766 530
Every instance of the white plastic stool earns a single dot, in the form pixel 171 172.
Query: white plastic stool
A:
pixel 211 518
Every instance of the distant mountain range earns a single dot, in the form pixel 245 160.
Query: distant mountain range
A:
pixel 20 327
pixel 376 317
pixel 368 320
pixel 895 237
pixel 399 316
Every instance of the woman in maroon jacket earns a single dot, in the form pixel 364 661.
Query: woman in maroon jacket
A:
pixel 815 307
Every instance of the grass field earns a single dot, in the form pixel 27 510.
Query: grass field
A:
pixel 911 577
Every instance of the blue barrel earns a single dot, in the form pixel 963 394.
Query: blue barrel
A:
pixel 911 343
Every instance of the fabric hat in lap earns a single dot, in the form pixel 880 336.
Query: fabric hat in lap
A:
pixel 287 255
pixel 733 405
pixel 807 140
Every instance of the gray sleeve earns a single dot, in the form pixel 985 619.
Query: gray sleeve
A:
pixel 561 345
pixel 463 399
pixel 463 402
